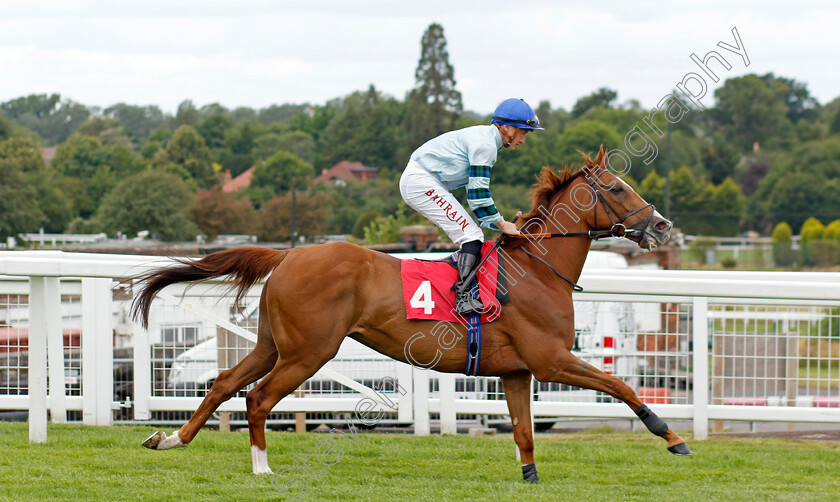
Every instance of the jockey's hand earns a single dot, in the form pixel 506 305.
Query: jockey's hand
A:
pixel 507 227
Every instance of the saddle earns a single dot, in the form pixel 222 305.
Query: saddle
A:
pixel 427 287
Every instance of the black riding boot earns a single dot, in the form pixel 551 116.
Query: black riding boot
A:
pixel 465 304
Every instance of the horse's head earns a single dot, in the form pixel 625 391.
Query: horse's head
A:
pixel 618 207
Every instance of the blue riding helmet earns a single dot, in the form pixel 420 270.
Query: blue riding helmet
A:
pixel 517 113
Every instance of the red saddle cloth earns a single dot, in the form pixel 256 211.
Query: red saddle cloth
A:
pixel 428 294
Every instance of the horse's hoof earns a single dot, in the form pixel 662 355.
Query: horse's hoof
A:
pixel 154 440
pixel 679 449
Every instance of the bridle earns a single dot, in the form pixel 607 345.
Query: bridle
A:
pixel 617 227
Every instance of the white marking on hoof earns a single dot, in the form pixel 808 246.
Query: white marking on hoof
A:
pixel 259 461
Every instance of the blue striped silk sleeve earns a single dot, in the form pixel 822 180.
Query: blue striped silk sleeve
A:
pixel 479 197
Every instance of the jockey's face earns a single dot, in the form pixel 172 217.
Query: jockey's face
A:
pixel 512 136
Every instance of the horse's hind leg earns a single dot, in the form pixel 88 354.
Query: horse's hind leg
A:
pixel 517 393
pixel 570 370
pixel 283 379
pixel 252 367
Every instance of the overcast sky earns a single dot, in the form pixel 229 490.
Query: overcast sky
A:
pixel 258 52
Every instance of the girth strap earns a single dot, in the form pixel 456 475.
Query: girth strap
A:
pixel 473 344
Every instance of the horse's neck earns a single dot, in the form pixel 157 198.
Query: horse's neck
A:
pixel 567 254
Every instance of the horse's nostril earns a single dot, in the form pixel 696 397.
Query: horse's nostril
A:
pixel 663 225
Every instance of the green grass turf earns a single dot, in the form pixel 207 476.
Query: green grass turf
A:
pixel 108 463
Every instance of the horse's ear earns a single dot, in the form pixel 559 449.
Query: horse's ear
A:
pixel 597 162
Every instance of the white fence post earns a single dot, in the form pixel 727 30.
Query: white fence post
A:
pixel 448 423
pixel 39 296
pixel 97 352
pixel 142 373
pixel 405 377
pixel 55 351
pixel 420 388
pixel 700 336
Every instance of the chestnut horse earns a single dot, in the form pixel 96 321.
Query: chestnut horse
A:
pixel 315 296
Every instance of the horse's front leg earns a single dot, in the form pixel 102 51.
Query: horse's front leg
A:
pixel 567 368
pixel 517 393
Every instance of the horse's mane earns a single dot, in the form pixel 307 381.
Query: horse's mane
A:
pixel 550 183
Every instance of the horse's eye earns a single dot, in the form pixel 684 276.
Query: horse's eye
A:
pixel 617 189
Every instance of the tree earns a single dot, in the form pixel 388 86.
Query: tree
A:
pixel 282 113
pixel 795 197
pixel 364 220
pixel 26 152
pixel 187 114
pixel 151 200
pixel 276 216
pixel 365 130
pixel 51 117
pixel 814 248
pixel 5 127
pixel 725 208
pixel 798 101
pixel 85 170
pixel 213 129
pixel 139 120
pixel 603 97
pixel 243 113
pixel 434 105
pixel 78 157
pixel 687 192
pixel 719 157
pixel 552 120
pixel 348 202
pixel 621 119
pixel 750 110
pixel 296 142
pixel 188 150
pixel 108 131
pixel 803 183
pixel 240 139
pixel 652 189
pixel 586 136
pixel 216 212
pixel 282 172
pixel 835 124
pixel 19 210
pixel 783 254
pixel 521 166
pixel 832 231
pixel 314 122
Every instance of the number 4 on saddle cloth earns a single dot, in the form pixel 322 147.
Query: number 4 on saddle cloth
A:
pixel 428 295
pixel 427 287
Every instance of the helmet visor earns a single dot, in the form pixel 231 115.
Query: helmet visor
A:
pixel 532 123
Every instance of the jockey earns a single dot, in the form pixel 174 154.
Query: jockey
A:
pixel 464 158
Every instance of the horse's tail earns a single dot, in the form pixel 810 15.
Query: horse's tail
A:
pixel 246 266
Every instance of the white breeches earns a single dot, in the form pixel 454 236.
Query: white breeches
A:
pixel 425 194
